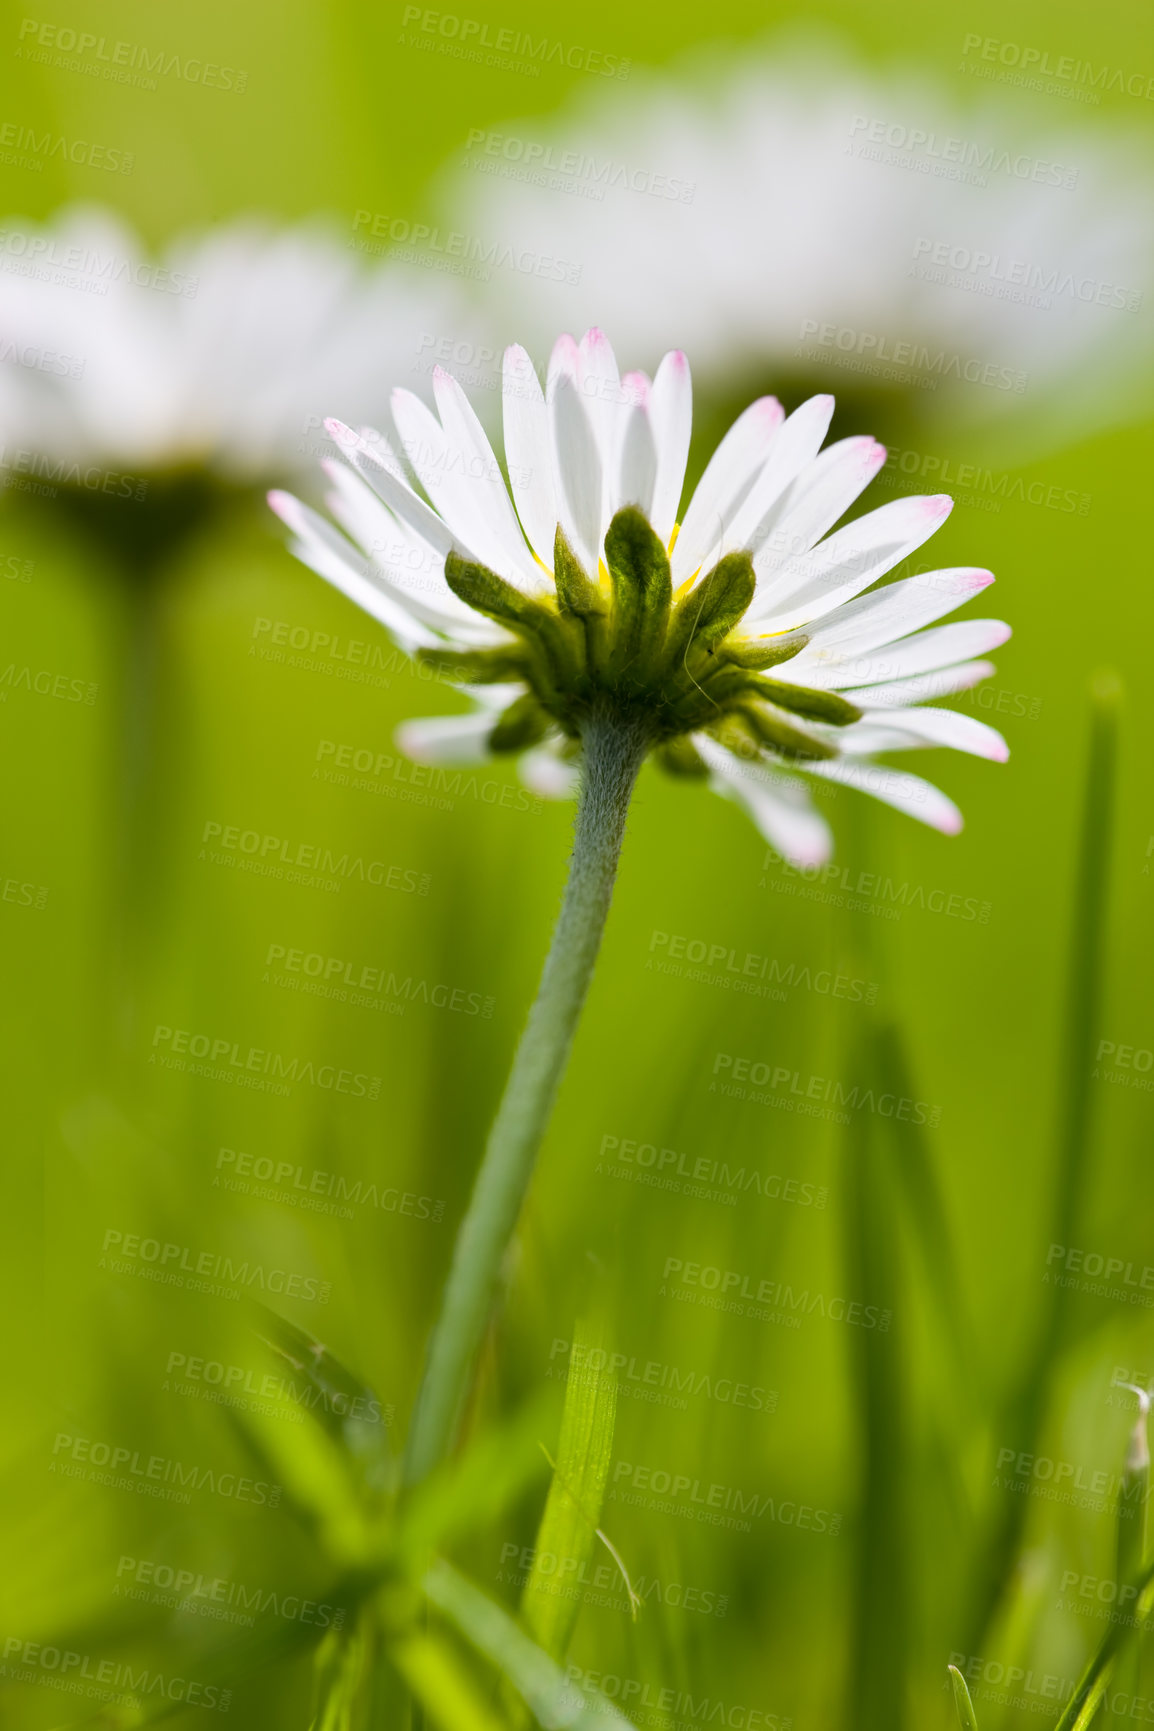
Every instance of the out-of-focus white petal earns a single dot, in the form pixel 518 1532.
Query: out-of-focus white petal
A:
pixel 548 775
pixel 778 804
pixel 447 738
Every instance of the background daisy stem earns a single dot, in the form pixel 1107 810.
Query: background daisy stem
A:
pixel 613 750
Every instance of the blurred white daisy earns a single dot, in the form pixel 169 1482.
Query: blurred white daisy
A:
pixel 218 356
pixel 814 217
pixel 739 634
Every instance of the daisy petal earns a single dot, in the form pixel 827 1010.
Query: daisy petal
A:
pixel 447 738
pixel 482 474
pixel 796 446
pixel 577 464
pixel 548 775
pixel 896 787
pixel 403 564
pixel 885 617
pixel 671 412
pixel 778 804
pixel 526 429
pixel 848 561
pixel 599 386
pixel 923 687
pixel 637 463
pixel 338 563
pixel 373 457
pixel 812 504
pixel 897 729
pixel 457 483
pixel 727 478
pixel 922 652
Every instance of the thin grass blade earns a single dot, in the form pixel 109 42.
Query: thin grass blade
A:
pixel 1026 1408
pixel 542 1685
pixel 967 1718
pixel 572 1515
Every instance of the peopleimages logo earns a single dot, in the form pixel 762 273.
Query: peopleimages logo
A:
pixel 227 1062
pixel 170 1264
pixel 1034 64
pixel 662 1384
pixel 155 1474
pixel 227 1601
pixel 820 1089
pixel 107 1680
pixel 466 37
pixel 118 61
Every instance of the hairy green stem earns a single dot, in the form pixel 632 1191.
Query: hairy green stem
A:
pixel 614 747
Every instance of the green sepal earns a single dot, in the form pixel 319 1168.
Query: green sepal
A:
pixel 576 592
pixel 477 666
pixel 735 734
pixel 580 602
pixel 681 757
pixel 757 653
pixel 485 592
pixel 642 593
pixel 560 660
pixel 523 724
pixel 805 700
pixel 710 611
pixel 786 741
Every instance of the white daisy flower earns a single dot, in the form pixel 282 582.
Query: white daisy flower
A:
pixel 748 639
pixel 218 356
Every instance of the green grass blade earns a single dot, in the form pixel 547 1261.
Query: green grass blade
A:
pixel 344 1405
pixel 472 1491
pixel 1132 1494
pixel 1095 1679
pixel 439 1681
pixel 571 1519
pixel 1026 1409
pixel 541 1683
pixel 880 1635
pixel 1130 1543
pixel 917 1180
pixel 339 1672
pixel 967 1718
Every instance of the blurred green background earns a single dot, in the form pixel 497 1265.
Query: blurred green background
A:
pixel 898 1434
